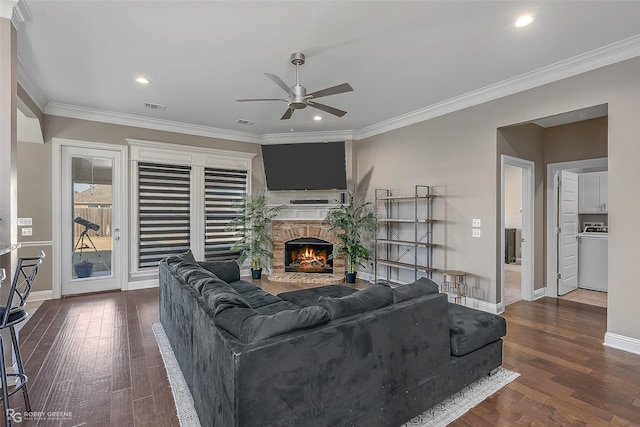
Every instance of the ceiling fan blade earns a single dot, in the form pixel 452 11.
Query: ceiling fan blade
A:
pixel 287 114
pixel 344 87
pixel 277 80
pixel 327 109
pixel 260 99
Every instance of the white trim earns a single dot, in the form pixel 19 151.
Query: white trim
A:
pixel 601 57
pixel 198 220
pixel 539 293
pixel 528 213
pixel 29 84
pixel 56 204
pixel 36 243
pixel 483 305
pixel 553 169
pixel 177 154
pixel 621 342
pixel 6 8
pixel 142 284
pixel 299 137
pixel 40 295
pixel 86 113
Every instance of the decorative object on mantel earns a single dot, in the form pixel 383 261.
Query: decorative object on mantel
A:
pixel 352 219
pixel 252 227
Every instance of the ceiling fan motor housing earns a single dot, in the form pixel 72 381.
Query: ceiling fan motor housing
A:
pixel 299 98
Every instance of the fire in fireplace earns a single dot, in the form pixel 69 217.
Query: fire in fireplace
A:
pixel 308 255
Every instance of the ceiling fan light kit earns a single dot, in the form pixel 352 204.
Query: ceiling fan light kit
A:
pixel 298 97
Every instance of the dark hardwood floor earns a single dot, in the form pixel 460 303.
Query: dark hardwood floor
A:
pixel 95 359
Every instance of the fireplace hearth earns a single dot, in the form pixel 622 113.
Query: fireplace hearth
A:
pixel 308 255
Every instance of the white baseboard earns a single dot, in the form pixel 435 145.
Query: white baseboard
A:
pixel 40 295
pixel 621 342
pixel 539 293
pixel 142 284
pixel 489 307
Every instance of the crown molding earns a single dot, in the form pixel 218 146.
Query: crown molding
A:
pixel 21 14
pixel 286 138
pixel 607 55
pixel 85 113
pixel 6 8
pixel 28 83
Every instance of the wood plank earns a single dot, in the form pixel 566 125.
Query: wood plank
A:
pixel 79 356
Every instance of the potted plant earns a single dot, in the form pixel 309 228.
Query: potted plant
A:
pixel 83 269
pixel 252 226
pixel 351 219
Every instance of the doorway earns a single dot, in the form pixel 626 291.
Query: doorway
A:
pixel 557 283
pixel 517 204
pixel 91 219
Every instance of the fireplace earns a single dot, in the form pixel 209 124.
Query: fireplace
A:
pixel 308 255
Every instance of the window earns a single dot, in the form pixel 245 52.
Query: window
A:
pixel 182 198
pixel 164 215
pixel 223 188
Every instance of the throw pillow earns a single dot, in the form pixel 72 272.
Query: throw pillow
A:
pixel 249 326
pixel 371 298
pixel 422 286
pixel 229 271
pixel 185 257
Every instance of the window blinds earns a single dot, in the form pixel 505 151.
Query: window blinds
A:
pixel 223 189
pixel 164 211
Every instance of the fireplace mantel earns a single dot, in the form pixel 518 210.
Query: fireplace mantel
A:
pixel 296 212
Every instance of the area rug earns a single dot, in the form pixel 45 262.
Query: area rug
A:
pixel 439 415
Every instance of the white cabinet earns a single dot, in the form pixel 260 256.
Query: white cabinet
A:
pixel 592 192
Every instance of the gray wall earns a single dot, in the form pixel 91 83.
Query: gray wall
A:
pixel 458 154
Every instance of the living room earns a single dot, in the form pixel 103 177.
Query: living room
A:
pixel 456 150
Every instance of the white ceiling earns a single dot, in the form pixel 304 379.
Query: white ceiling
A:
pixel 406 60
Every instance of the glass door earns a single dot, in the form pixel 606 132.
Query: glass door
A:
pixel 90 220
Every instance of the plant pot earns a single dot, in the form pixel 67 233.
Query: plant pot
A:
pixel 350 277
pixel 83 269
pixel 256 274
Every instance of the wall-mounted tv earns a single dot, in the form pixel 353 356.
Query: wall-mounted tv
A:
pixel 308 166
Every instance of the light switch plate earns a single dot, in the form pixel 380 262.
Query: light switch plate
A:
pixel 476 232
pixel 24 222
pixel 475 222
pixel 27 231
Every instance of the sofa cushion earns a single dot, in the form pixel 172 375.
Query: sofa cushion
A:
pixel 259 298
pixel 308 297
pixel 249 326
pixel 221 301
pixel 371 298
pixel 276 307
pixel 242 286
pixel 229 271
pixel 471 329
pixel 193 274
pixel 185 257
pixel 422 286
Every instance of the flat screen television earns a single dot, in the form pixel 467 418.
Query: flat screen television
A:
pixel 308 166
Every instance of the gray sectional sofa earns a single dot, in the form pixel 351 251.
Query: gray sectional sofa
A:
pixel 326 356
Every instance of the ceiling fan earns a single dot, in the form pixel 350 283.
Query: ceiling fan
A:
pixel 298 97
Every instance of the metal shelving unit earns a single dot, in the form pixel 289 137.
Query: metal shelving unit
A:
pixel 404 236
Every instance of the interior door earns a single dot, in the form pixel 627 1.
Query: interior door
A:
pixel 91 220
pixel 568 232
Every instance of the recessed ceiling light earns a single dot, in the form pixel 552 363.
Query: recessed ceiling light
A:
pixel 142 80
pixel 524 20
pixel 316 118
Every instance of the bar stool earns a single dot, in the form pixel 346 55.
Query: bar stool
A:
pixel 12 313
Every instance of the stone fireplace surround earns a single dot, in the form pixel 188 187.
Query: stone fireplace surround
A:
pixel 298 222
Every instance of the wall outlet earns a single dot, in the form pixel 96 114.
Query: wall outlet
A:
pixel 475 222
pixel 475 232
pixel 27 231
